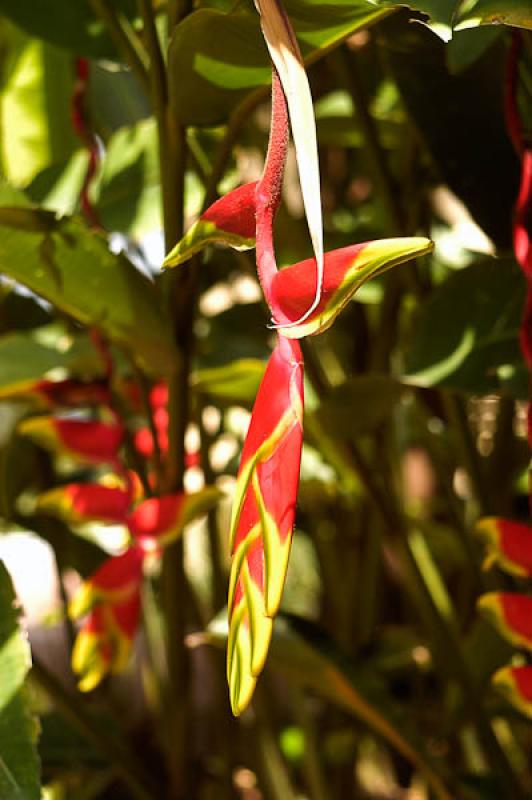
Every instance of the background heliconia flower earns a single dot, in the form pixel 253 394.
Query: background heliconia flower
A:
pixel 157 521
pixel 230 221
pixel 509 544
pixel 511 614
pixel 105 640
pixel 90 441
pixel 263 517
pixel 85 502
pixel 516 685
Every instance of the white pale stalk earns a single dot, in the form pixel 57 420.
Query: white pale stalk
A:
pixel 285 54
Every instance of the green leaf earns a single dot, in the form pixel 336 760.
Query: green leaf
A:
pixel 236 383
pixel 309 658
pixel 466 336
pixel 19 764
pixel 468 46
pixel 23 361
pixel 35 125
pixel 72 267
pixel 359 405
pixel 440 14
pixel 224 56
pixel 494 12
pixel 67 24
pixel 464 129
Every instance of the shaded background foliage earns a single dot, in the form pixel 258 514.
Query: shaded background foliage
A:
pixel 378 681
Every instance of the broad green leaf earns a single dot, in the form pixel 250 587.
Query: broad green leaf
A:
pixel 128 193
pixel 495 12
pixel 23 360
pixel 359 405
pixel 35 125
pixel 440 14
pixel 224 56
pixel 67 24
pixel 19 764
pixel 236 383
pixel 464 131
pixel 58 187
pixel 72 267
pixel 306 656
pixel 466 336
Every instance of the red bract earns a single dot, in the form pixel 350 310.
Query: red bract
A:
pixel 508 543
pixel 516 685
pixel 229 221
pixel 159 520
pixel 83 502
pixel 104 642
pixel 67 393
pixel 263 517
pixel 90 441
pixel 511 614
pixel 292 289
pixel 110 601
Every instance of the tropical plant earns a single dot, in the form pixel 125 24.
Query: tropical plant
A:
pixel 328 442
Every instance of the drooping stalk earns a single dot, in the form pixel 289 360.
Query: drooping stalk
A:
pixel 268 192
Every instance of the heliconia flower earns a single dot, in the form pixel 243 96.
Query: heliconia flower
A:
pixel 104 642
pixel 86 502
pixel 346 269
pixel 511 614
pixel 263 518
pixel 523 215
pixel 51 394
pixel 88 441
pixel 158 521
pixel 515 683
pixel 509 544
pixel 114 582
pixel 230 221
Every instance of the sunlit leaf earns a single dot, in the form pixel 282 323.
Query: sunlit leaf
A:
pixel 72 267
pixel 19 764
pixel 494 12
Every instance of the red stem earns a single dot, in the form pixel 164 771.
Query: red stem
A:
pixel 82 127
pixel 268 195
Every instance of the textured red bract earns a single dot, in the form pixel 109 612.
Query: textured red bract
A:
pixel 155 517
pixel 70 393
pixel 94 501
pixel 516 543
pixel 119 572
pixel 293 288
pixel 97 441
pixel 279 474
pixel 523 680
pixel 234 212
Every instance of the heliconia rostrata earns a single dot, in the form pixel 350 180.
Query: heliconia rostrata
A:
pixel 267 483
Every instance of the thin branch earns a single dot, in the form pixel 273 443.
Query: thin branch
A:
pixel 125 39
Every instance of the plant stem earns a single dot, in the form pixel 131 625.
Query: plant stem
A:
pixel 125 762
pixel 125 39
